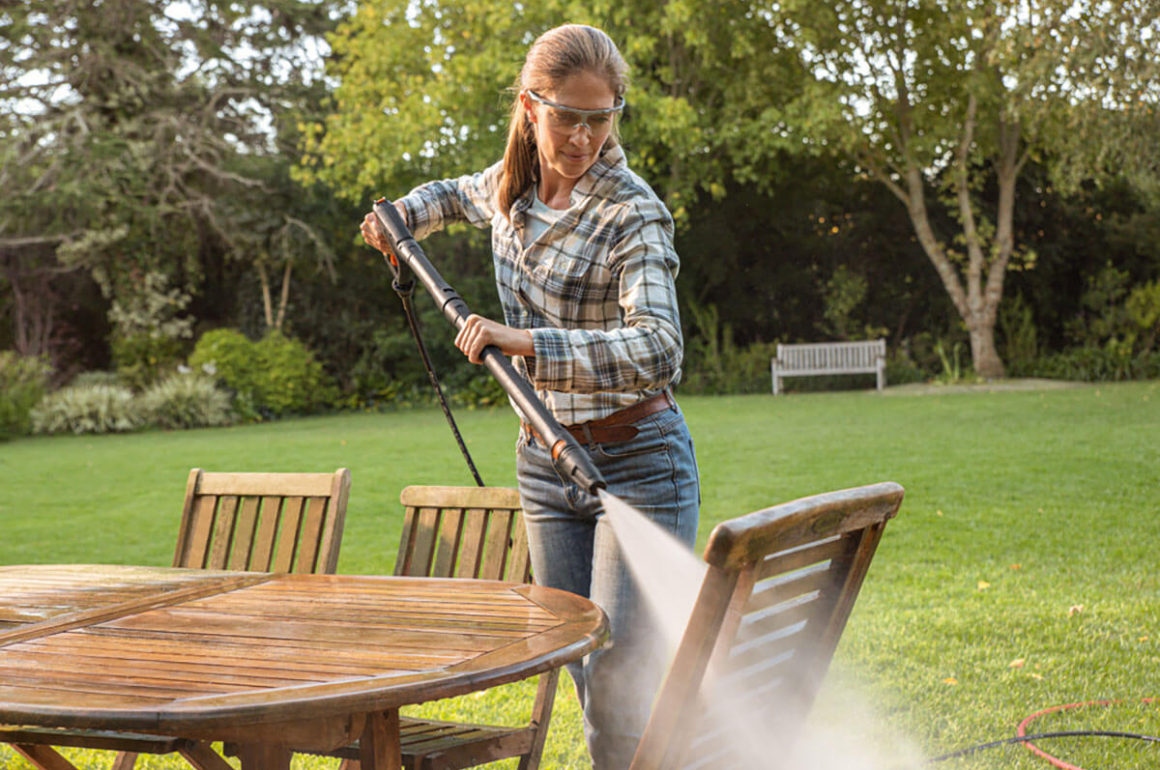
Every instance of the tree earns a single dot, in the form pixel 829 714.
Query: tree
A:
pixel 424 88
pixel 134 134
pixel 946 102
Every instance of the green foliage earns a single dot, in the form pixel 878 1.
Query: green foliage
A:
pixel 273 377
pixel 96 378
pixel 843 293
pixel 1020 337
pixel 715 364
pixel 424 91
pixel 186 400
pixel 1143 309
pixel 142 359
pixel 148 330
pixel 23 382
pixel 87 409
pixel 1111 362
pixel 481 390
pixel 953 372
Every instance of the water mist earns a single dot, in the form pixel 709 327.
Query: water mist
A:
pixel 669 576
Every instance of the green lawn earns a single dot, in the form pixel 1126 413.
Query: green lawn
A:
pixel 1020 574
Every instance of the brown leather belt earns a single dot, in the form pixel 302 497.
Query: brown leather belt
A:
pixel 617 426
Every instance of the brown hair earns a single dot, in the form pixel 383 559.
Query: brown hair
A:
pixel 556 54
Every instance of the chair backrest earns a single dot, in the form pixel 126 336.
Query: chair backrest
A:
pixel 776 596
pixel 263 522
pixel 466 532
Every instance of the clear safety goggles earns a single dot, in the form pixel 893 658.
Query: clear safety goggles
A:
pixel 568 119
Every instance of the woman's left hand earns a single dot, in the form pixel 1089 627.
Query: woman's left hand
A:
pixel 479 332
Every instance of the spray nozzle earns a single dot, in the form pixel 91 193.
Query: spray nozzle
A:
pixel 574 464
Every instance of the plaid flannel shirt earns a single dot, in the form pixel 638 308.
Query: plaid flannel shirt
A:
pixel 596 289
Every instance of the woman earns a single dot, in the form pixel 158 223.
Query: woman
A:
pixel 585 265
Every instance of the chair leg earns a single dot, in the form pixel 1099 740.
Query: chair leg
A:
pixel 44 757
pixel 202 757
pixel 541 718
pixel 125 760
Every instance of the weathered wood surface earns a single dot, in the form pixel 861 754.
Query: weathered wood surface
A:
pixel 777 594
pixel 277 522
pixel 467 532
pixel 287 660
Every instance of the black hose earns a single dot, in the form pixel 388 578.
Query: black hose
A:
pixel 1026 738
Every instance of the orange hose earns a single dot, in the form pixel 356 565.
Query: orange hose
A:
pixel 1056 761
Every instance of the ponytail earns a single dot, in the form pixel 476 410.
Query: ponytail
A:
pixel 521 163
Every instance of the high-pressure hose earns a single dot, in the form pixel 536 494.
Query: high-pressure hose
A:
pixel 569 458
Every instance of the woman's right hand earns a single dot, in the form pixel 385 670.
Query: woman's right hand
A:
pixel 372 230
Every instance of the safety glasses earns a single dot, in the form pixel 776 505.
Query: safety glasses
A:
pixel 568 119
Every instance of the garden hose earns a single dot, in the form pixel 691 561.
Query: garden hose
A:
pixel 1021 735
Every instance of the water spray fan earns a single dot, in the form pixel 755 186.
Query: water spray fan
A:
pixel 569 458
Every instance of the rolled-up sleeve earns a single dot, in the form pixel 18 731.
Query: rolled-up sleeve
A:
pixel 434 205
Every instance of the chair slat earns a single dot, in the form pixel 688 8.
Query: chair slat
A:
pixel 498 541
pixel 244 530
pixel 448 547
pixel 288 530
pixel 198 539
pixel 223 532
pixel 310 535
pixel 788 561
pixel 423 548
pixel 519 560
pixel 472 543
pixel 269 515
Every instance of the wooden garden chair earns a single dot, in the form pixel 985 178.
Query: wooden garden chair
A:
pixel 474 533
pixel 263 522
pixel 779 588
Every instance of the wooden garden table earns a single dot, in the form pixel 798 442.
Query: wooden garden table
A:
pixel 268 662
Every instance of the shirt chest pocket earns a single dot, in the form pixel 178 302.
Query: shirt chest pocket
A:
pixel 567 279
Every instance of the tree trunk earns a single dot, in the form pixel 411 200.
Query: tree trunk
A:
pixel 267 303
pixel 984 354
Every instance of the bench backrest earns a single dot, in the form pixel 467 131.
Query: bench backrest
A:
pixel 862 354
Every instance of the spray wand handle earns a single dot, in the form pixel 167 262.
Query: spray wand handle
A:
pixel 388 216
pixel 569 458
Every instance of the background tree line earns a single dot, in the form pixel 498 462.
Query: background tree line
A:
pixel 976 181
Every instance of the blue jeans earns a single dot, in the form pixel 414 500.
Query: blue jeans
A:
pixel 573 547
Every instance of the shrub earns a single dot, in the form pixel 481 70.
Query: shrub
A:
pixel 23 383
pixel 1112 362
pixel 269 378
pixel 186 401
pixel 96 378
pixel 715 364
pixel 87 409
pixel 294 381
pixel 142 359
pixel 149 330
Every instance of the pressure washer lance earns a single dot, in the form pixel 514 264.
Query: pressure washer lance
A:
pixel 569 458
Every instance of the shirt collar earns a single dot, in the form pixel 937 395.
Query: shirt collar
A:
pixel 610 158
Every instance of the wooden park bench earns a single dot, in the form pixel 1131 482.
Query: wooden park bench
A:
pixel 821 358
